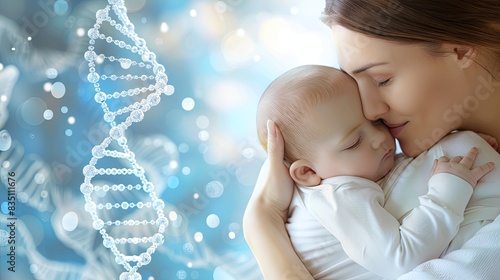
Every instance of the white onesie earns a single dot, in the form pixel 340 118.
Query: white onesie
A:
pixel 416 223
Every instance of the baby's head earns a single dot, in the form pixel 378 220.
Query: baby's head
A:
pixel 319 113
pixel 291 100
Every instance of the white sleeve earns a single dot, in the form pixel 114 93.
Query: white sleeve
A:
pixel 479 258
pixel 353 212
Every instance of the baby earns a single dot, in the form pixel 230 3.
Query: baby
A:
pixel 341 163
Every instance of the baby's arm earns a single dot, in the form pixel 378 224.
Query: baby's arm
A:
pixel 479 257
pixel 375 239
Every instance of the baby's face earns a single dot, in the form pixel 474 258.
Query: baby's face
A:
pixel 349 143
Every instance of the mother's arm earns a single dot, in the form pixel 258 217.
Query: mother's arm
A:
pixel 266 215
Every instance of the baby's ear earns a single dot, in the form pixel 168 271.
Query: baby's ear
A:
pixel 302 173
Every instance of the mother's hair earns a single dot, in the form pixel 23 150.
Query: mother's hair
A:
pixel 428 22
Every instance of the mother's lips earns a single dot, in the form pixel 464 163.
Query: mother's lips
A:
pixel 395 129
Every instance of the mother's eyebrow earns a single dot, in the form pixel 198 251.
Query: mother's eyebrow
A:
pixel 364 68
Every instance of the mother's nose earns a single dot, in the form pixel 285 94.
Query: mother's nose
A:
pixel 374 106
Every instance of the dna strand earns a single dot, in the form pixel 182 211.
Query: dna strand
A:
pixel 122 109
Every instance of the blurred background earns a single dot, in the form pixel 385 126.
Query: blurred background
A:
pixel 198 146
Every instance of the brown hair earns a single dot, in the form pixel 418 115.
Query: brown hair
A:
pixel 431 22
pixel 287 101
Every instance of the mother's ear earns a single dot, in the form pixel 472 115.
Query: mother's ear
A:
pixel 302 172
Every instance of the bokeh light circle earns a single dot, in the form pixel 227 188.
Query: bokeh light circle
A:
pixel 183 148
pixel 80 32
pixel 188 248
pixel 214 189
pixel 220 7
pixel 202 122
pixel 51 73
pixel 173 182
pixel 33 268
pixel 5 207
pixel 48 114
pixel 188 104
pixel 32 111
pixel 22 197
pixel 4 235
pixel 198 237
pixel 213 221
pixel 203 135
pixel 69 221
pixel 5 140
pixel 58 90
pixel 135 5
pixel 61 7
pixel 221 274
pixel 47 86
pixel 164 27
pixel 40 178
pixel 172 215
pixel 213 154
pixel 238 47
pixel 181 274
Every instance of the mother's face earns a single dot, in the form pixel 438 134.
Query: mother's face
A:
pixel 415 93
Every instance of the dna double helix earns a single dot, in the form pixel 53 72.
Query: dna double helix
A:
pixel 132 192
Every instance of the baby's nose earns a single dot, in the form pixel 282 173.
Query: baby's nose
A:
pixel 378 138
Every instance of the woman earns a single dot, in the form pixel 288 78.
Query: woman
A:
pixel 425 68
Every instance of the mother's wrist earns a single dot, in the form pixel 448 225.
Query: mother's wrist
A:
pixel 261 207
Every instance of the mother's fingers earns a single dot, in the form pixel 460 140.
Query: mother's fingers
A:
pixel 469 159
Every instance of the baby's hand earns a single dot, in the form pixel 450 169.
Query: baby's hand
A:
pixel 461 167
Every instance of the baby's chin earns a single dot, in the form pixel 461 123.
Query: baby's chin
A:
pixel 387 168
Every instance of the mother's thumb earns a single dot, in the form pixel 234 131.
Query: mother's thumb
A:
pixel 275 144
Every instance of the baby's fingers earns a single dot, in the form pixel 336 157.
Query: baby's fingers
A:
pixel 480 171
pixel 469 159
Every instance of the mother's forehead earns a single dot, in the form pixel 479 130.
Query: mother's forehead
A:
pixel 358 52
pixel 353 49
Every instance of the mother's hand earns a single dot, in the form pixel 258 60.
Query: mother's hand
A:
pixel 266 215
pixel 274 187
